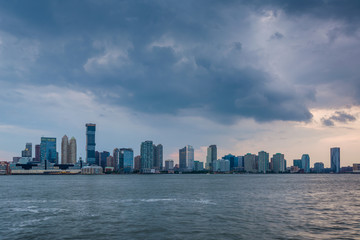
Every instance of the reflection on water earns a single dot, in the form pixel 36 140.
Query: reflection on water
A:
pixel 180 207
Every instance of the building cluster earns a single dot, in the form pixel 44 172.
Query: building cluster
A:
pixel 122 160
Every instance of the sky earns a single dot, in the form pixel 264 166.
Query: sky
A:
pixel 279 76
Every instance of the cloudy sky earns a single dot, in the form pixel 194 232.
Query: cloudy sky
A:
pixel 279 76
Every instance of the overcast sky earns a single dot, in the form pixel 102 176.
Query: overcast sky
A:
pixel 279 76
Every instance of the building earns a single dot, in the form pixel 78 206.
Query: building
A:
pixel 110 163
pixel 305 163
pixel 198 166
pixel 4 168
pixel 210 157
pixel 90 143
pixel 48 150
pixel 356 167
pixel 297 163
pixel 158 156
pixel 16 159
pixel 263 164
pixel 147 156
pixel 250 163
pixel 116 156
pixel 169 165
pixel 137 163
pixel 278 163
pixel 37 153
pixel 64 150
pixel 126 159
pixel 231 159
pixel 335 159
pixel 318 167
pixel 92 170
pixel 221 165
pixel 28 150
pixel 103 158
pixel 186 158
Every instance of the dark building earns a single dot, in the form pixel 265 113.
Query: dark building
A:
pixel 48 150
pixel 137 163
pixel 90 143
pixel 28 150
pixel 158 156
pixel 147 155
pixel 103 158
pixel 37 153
pixel 231 159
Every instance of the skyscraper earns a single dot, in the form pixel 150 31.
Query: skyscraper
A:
pixel 28 150
pixel 250 162
pixel 64 150
pixel 278 162
pixel 186 158
pixel 231 159
pixel 335 159
pixel 169 165
pixel 103 158
pixel 263 164
pixel 211 156
pixel 72 151
pixel 126 157
pixel 37 153
pixel 137 162
pixel 297 163
pixel 158 156
pixel 90 143
pixel 305 163
pixel 147 156
pixel 116 158
pixel 48 150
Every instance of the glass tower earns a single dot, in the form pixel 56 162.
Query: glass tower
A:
pixel 90 143
pixel 48 150
pixel 335 159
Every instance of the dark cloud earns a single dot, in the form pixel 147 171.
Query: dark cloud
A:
pixel 338 116
pixel 158 56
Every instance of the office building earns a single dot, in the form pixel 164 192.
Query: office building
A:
pixel 158 156
pixel 64 149
pixel 305 162
pixel 103 158
pixel 231 159
pixel 198 166
pixel 137 163
pixel 169 165
pixel 72 151
pixel 186 158
pixel 48 150
pixel 116 157
pixel 278 162
pixel 335 159
pixel 297 163
pixel 250 163
pixel 28 150
pixel 37 153
pixel 221 165
pixel 126 159
pixel 319 167
pixel 90 143
pixel 210 157
pixel 110 163
pixel 147 156
pixel 263 163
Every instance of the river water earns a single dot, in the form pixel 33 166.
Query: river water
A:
pixel 185 206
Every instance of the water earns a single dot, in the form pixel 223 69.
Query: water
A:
pixel 180 207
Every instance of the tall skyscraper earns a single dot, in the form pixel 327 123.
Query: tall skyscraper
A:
pixel 211 156
pixel 64 150
pixel 250 162
pixel 335 159
pixel 37 153
pixel 186 158
pixel 147 155
pixel 90 143
pixel 231 159
pixel 103 158
pixel 116 158
pixel 278 162
pixel 263 164
pixel 28 150
pixel 72 151
pixel 48 150
pixel 137 162
pixel 305 163
pixel 297 163
pixel 158 156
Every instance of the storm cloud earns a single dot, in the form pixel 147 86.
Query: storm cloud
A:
pixel 206 58
pixel 341 117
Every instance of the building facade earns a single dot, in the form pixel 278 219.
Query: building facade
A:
pixel 305 162
pixel 335 159
pixel 90 143
pixel 147 155
pixel 210 157
pixel 186 158
pixel 27 152
pixel 278 163
pixel 48 150
pixel 126 158
pixel 263 164
pixel 169 165
pixel 158 156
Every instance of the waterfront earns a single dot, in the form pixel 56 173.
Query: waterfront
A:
pixel 182 206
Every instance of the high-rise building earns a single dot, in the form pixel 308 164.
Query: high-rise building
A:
pixel 64 150
pixel 147 156
pixel 110 162
pixel 319 167
pixel 97 158
pixel 126 159
pixel 240 160
pixel 48 150
pixel 169 165
pixel 103 158
pixel 250 163
pixel 37 153
pixel 72 151
pixel 221 165
pixel 210 157
pixel 158 156
pixel 90 143
pixel 28 150
pixel 116 158
pixel 231 159
pixel 186 158
pixel 278 163
pixel 263 164
pixel 335 159
pixel 198 166
pixel 305 163
pixel 137 163
pixel 297 163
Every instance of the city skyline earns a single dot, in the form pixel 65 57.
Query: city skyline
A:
pixel 278 76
